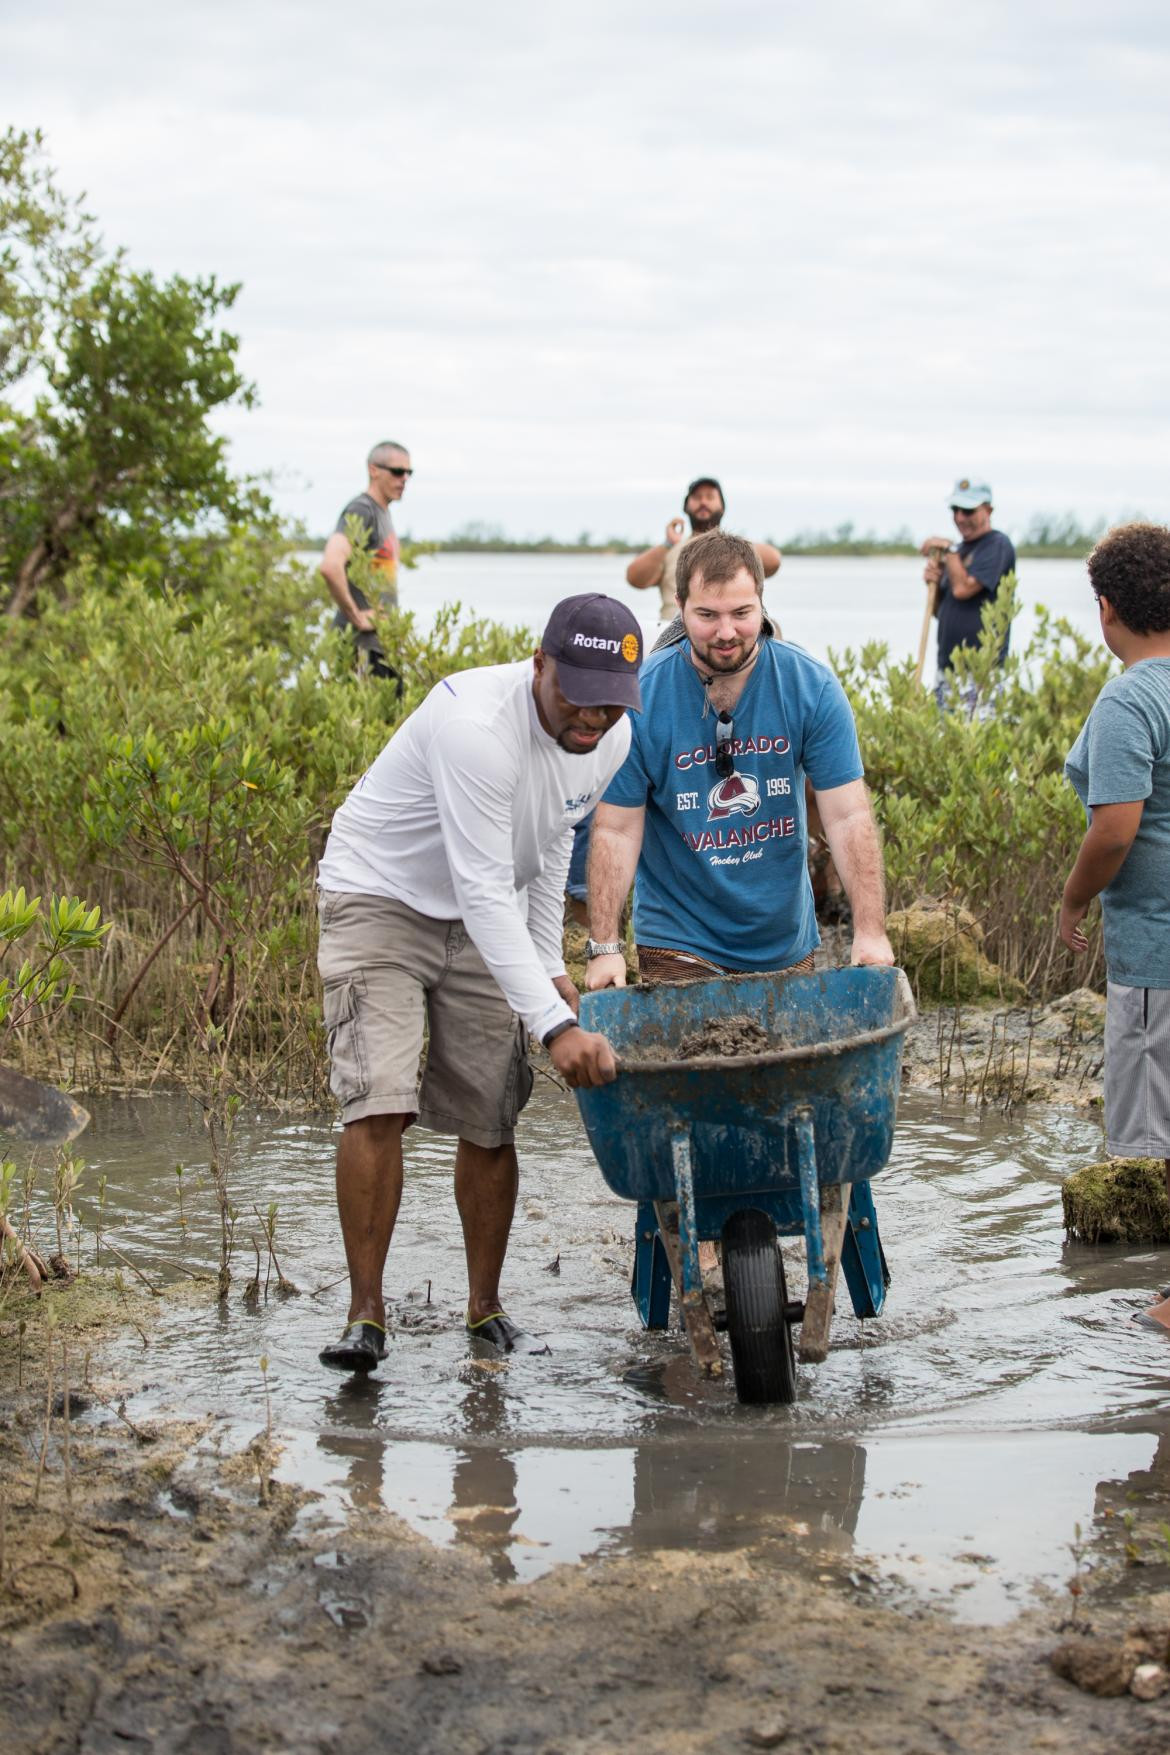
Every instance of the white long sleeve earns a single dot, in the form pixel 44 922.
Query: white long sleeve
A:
pixel 546 906
pixel 468 814
pixel 476 781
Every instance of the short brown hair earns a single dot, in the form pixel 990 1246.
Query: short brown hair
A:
pixel 1131 567
pixel 716 557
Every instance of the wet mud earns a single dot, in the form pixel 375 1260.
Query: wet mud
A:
pixel 736 1035
pixel 594 1550
pixel 172 1611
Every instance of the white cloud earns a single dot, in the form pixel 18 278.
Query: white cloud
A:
pixel 574 256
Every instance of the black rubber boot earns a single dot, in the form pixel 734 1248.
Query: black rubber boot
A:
pixel 362 1347
pixel 500 1332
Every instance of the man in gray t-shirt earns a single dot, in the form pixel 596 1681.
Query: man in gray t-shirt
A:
pixel 366 523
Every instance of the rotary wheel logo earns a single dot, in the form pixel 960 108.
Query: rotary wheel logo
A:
pixel 630 648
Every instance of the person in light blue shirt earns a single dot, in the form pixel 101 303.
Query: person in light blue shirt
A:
pixel 1120 770
pixel 709 807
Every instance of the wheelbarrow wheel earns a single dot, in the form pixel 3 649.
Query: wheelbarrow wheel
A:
pixel 761 1339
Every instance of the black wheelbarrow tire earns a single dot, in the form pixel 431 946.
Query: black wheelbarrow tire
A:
pixel 760 1335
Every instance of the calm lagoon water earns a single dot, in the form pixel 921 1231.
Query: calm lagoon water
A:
pixel 954 1444
pixel 822 604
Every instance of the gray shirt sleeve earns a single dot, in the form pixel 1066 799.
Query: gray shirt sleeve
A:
pixel 359 508
pixel 1119 753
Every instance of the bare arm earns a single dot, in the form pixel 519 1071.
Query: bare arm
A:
pixel 939 560
pixel 962 583
pixel 645 570
pixel 332 567
pixel 615 842
pixel 1103 851
pixel 769 558
pixel 853 840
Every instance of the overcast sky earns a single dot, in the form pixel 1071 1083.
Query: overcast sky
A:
pixel 574 255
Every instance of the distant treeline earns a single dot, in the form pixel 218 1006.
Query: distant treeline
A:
pixel 491 539
pixel 846 539
pixel 1048 536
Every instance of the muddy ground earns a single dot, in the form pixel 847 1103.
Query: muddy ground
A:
pixel 161 1591
pixel 149 1599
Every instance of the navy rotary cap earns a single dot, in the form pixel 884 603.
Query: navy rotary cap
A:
pixel 598 647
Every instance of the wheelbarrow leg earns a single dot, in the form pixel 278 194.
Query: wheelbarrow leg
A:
pixel 825 1212
pixel 650 1281
pixel 863 1258
pixel 682 1252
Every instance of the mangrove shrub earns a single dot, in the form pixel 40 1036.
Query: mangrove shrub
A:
pixel 178 760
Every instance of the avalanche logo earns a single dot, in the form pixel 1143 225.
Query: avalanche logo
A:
pixel 738 795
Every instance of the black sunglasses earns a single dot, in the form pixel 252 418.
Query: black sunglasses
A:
pixel 724 759
pixel 393 469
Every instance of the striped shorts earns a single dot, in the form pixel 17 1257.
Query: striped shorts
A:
pixel 1137 1071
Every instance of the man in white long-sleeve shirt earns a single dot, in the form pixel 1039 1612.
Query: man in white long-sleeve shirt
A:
pixel 441 902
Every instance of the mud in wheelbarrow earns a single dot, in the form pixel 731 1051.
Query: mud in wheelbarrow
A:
pixel 745 1148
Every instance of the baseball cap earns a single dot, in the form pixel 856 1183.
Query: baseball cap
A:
pixel 598 647
pixel 704 481
pixel 968 493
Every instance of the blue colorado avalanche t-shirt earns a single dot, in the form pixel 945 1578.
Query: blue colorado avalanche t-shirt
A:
pixel 724 866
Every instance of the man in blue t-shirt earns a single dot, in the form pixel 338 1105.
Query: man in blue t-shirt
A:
pixel 967 574
pixel 1120 770
pixel 709 807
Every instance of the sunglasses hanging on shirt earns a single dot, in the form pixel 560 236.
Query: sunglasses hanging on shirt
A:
pixel 724 758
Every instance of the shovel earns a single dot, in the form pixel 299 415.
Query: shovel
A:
pixel 928 614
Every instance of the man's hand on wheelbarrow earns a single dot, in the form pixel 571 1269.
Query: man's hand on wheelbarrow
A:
pixel 583 1057
pixel 607 971
pixel 872 948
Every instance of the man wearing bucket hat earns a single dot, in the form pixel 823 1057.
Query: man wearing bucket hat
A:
pixel 441 903
pixel 704 507
pixel 965 575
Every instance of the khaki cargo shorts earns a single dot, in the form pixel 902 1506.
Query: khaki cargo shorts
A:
pixel 391 974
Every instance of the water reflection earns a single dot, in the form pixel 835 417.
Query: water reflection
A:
pixel 978 1417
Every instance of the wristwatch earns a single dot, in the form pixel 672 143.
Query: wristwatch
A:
pixel 593 949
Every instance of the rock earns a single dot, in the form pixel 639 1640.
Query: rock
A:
pixel 441 1663
pixel 1081 1012
pixel 1097 1666
pixel 940 946
pixel 1148 1682
pixel 767 1733
pixel 1121 1200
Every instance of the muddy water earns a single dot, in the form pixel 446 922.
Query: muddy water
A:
pixel 949 1448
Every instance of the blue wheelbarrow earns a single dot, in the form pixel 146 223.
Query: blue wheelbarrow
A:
pixel 748 1147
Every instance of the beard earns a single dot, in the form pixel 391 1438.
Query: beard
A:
pixel 719 658
pixel 701 522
